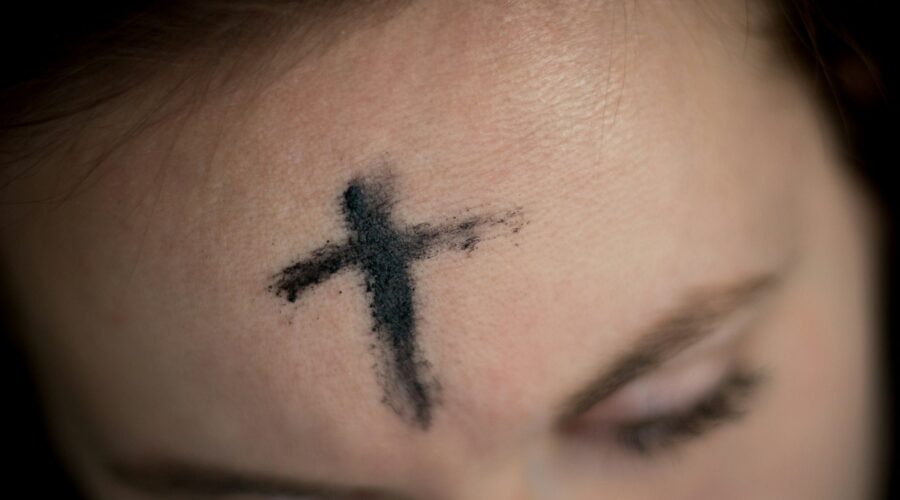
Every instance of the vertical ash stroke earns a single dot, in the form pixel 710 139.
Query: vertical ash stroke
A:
pixel 384 253
pixel 385 257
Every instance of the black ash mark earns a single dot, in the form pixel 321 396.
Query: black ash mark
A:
pixel 384 252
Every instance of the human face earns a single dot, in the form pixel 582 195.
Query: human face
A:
pixel 664 240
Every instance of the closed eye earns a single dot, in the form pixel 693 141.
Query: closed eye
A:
pixel 686 375
pixel 726 403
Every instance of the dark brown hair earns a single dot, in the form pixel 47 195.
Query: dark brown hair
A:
pixel 153 58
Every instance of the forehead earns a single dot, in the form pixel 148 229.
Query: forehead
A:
pixel 616 133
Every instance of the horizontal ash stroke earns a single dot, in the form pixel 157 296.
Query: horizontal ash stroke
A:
pixel 418 242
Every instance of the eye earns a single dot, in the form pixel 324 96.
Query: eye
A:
pixel 671 407
pixel 727 402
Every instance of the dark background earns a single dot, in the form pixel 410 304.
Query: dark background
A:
pixel 846 49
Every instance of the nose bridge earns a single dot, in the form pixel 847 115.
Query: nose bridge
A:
pixel 506 483
pixel 516 477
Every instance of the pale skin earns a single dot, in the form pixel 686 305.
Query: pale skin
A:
pixel 658 152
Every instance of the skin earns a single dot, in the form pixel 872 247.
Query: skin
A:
pixel 654 151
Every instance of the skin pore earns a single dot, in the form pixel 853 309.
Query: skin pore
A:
pixel 687 313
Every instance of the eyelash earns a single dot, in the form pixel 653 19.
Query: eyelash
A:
pixel 726 403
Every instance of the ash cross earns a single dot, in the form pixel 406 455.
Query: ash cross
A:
pixel 384 252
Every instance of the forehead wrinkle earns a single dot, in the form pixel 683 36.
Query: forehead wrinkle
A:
pixel 416 79
pixel 509 131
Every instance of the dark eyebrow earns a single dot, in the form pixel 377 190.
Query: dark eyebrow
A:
pixel 695 319
pixel 170 477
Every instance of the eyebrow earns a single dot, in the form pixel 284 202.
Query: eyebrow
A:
pixel 697 318
pixel 170 477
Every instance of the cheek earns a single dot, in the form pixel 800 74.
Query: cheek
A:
pixel 813 435
pixel 810 437
pixel 833 345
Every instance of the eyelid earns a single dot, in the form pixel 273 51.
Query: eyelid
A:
pixel 727 402
pixel 680 383
pixel 665 391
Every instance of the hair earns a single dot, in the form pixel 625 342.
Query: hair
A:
pixel 68 64
pixel 153 59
